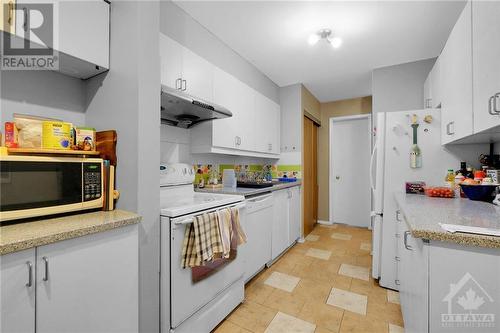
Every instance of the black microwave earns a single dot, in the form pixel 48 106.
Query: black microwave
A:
pixel 32 186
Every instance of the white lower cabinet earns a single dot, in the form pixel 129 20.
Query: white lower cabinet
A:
pixel 281 223
pixel 294 209
pixel 286 220
pixel 447 287
pixel 86 284
pixel 17 296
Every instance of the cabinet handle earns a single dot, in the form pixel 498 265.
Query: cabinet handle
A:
pixel 490 106
pixel 448 128
pixel 178 84
pixel 270 146
pixel 46 264
pixel 25 16
pixel 30 274
pixel 11 11
pixel 397 258
pixel 495 98
pixel 405 241
pixel 397 235
pixel 184 82
pixel 239 141
pixel 398 212
pixel 397 282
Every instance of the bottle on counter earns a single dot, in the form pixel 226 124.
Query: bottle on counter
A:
pixel 459 178
pixel 463 168
pixel 469 173
pixel 450 179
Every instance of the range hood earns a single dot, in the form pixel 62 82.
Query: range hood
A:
pixel 183 110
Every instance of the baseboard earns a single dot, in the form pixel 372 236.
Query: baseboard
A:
pixel 325 222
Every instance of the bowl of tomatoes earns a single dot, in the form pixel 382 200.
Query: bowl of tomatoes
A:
pixel 439 192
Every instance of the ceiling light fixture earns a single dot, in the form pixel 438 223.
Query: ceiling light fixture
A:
pixel 325 34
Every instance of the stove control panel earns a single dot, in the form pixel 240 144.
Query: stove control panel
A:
pixel 176 174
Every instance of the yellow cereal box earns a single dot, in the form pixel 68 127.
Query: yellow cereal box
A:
pixel 56 135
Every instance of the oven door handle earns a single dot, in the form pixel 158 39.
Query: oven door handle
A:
pixel 191 219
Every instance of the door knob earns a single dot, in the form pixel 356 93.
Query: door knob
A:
pixel 337 177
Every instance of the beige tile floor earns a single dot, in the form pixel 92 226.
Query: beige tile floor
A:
pixel 312 293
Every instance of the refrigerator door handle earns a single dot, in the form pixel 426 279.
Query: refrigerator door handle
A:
pixel 372 159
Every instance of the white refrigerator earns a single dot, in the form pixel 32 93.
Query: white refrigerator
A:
pixel 390 169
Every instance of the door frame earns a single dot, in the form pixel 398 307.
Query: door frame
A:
pixel 331 121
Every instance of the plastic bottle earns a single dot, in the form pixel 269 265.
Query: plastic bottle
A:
pixel 450 178
pixel 459 178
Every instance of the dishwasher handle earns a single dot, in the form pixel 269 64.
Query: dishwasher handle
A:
pixel 259 202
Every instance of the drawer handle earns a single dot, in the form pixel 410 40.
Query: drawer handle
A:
pixel 405 241
pixel 495 98
pixel 30 274
pixel 184 82
pixel 178 84
pixel 397 282
pixel 490 106
pixel 398 216
pixel 448 128
pixel 397 258
pixel 46 265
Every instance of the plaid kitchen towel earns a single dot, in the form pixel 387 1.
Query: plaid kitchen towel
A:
pixel 239 234
pixel 226 231
pixel 202 242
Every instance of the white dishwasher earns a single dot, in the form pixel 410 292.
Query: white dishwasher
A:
pixel 258 226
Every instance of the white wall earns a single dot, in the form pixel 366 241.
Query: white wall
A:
pixel 178 25
pixel 400 87
pixel 42 93
pixel 127 99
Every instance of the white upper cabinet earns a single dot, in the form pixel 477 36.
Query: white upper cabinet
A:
pixel 435 77
pixel 84 30
pixel 80 32
pixel 486 56
pixel 171 62
pixel 197 76
pixel 237 97
pixel 456 84
pixel 184 70
pixel 267 125
pixel 428 92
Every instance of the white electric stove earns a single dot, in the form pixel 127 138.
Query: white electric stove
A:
pixel 188 306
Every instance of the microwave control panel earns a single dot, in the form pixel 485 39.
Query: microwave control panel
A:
pixel 92 175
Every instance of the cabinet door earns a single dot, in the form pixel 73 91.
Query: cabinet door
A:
pixel 171 62
pixel 233 132
pixel 436 84
pixel 84 30
pixel 89 284
pixel 17 296
pixel 294 214
pixel 197 74
pixel 267 125
pixel 486 66
pixel 280 233
pixel 456 66
pixel 428 91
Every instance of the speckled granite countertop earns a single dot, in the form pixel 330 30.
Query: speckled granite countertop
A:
pixel 423 215
pixel 25 235
pixel 249 191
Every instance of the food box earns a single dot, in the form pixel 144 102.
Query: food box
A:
pixel 416 187
pixel 10 135
pixel 56 135
pixel 494 175
pixel 440 192
pixel 85 138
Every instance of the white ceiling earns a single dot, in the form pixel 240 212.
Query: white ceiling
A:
pixel 272 35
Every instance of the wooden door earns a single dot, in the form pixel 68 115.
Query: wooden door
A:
pixel 310 175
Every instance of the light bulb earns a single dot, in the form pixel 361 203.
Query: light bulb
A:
pixel 313 39
pixel 336 42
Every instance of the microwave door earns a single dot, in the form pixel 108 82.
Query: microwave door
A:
pixel 26 187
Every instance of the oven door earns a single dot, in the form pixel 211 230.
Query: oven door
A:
pixel 35 188
pixel 187 296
